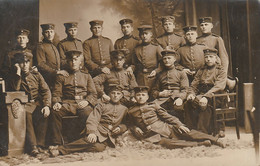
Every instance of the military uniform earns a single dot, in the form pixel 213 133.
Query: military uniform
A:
pixel 171 39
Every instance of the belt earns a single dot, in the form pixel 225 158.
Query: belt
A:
pixel 108 126
pixel 74 98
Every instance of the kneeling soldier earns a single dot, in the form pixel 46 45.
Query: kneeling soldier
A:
pixel 152 123
pixel 103 126
pixel 37 109
pixel 72 95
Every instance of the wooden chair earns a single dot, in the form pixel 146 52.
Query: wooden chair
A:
pixel 229 112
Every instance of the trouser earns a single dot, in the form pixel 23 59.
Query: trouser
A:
pixel 56 121
pixel 82 145
pixel 36 126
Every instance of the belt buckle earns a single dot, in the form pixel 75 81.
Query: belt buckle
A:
pixel 145 70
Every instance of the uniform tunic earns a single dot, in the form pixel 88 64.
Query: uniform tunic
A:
pixel 127 42
pixel 171 39
pixel 214 41
pixel 147 57
pixel 96 51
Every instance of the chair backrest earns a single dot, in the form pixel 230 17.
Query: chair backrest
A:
pixel 232 84
pixel 2 84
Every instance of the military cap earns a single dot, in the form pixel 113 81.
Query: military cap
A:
pixel 96 22
pixel 170 52
pixel 210 51
pixel 48 26
pixel 125 21
pixel 118 54
pixel 205 19
pixel 145 27
pixel 189 28
pixel 69 25
pixel 141 89
pixel 22 32
pixel 167 19
pixel 72 54
pixel 112 87
pixel 22 57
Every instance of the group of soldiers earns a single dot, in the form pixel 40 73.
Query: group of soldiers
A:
pixel 159 89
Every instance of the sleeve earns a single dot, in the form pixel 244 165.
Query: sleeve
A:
pixel 116 45
pixel 132 84
pixel 159 57
pixel 134 60
pixel 14 82
pixel 123 125
pixel 57 90
pixel 44 91
pixel 62 54
pixel 156 87
pixel 219 84
pixel 223 54
pixel 111 47
pixel 94 119
pixel 87 55
pixel 92 93
pixel 184 84
pixel 193 89
pixel 99 84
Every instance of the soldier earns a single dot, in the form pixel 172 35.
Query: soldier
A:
pixel 48 57
pixel 209 80
pixel 70 42
pixel 72 95
pixel 117 74
pixel 169 38
pixel 21 46
pixel 104 124
pixel 170 88
pixel 191 54
pixel 38 107
pixel 96 50
pixel 146 58
pixel 152 123
pixel 128 41
pixel 212 40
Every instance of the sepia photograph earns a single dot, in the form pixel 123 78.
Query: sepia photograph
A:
pixel 129 82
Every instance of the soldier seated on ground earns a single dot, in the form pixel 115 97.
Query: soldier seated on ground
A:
pixel 119 75
pixel 171 84
pixel 103 126
pixel 209 80
pixel 152 123
pixel 72 95
pixel 38 107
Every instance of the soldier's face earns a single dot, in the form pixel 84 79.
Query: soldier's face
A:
pixel 118 63
pixel 169 61
pixel 146 36
pixel 141 97
pixel 168 27
pixel 96 30
pixel 206 27
pixel 72 32
pixel 49 34
pixel 75 63
pixel 22 40
pixel 25 66
pixel 191 36
pixel 127 29
pixel 115 96
pixel 210 60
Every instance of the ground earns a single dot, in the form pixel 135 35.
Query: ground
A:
pixel 238 152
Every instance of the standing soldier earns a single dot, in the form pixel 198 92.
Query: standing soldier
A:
pixel 48 57
pixel 39 95
pixel 212 40
pixel 72 95
pixel 169 38
pixel 128 41
pixel 70 42
pixel 191 54
pixel 96 50
pixel 146 58
pixel 119 75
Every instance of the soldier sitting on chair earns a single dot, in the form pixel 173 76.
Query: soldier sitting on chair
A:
pixel 72 95
pixel 38 107
pixel 103 126
pixel 118 74
pixel 209 79
pixel 150 122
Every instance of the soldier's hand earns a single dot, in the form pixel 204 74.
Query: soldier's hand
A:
pixel 188 72
pixel 105 70
pixel 139 131
pixel 63 72
pixel 190 97
pixel 82 104
pixel 105 98
pixel 165 93
pixel 203 102
pixel 152 74
pixel 116 130
pixel 129 71
pixel 18 69
pixel 92 138
pixel 178 102
pixel 45 111
pixel 57 106
pixel 183 129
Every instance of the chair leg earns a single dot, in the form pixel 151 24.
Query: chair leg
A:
pixel 237 127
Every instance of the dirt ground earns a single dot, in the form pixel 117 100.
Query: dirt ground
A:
pixel 129 152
